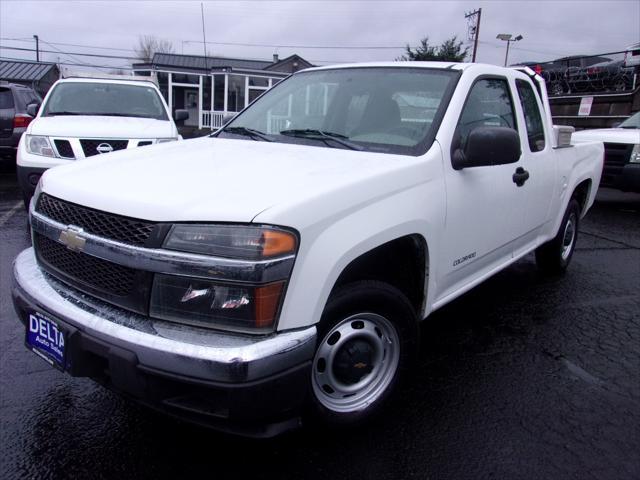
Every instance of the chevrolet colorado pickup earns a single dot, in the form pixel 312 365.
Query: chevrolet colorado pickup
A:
pixel 278 270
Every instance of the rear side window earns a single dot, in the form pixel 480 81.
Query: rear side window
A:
pixel 488 105
pixel 28 97
pixel 532 116
pixel 6 98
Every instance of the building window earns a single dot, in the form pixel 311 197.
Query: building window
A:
pixel 258 82
pixel 236 93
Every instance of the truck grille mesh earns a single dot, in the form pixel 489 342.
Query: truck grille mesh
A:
pixel 90 271
pixel 89 146
pixel 616 156
pixel 107 225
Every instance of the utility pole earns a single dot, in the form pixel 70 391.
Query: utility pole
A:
pixel 473 18
pixel 37 48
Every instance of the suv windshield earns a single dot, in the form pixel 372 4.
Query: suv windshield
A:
pixel 389 110
pixel 105 99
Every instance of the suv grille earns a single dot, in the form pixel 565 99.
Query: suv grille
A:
pixel 90 147
pixel 64 148
pixel 107 225
pixel 92 271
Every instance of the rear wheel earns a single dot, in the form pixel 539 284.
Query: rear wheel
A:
pixel 368 334
pixel 555 255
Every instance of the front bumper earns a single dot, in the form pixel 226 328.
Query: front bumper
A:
pixel 249 385
pixel 625 178
pixel 630 178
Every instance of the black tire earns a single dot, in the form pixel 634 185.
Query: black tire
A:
pixel 554 256
pixel 375 324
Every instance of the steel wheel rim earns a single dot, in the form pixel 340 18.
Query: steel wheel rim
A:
pixel 343 397
pixel 569 237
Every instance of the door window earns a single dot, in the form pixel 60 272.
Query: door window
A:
pixel 488 105
pixel 532 116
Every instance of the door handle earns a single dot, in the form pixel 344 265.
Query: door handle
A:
pixel 520 176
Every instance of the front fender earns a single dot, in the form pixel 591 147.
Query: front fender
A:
pixel 419 210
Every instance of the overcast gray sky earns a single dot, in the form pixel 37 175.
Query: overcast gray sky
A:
pixel 551 29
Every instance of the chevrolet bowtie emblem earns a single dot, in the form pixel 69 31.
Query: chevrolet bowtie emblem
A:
pixel 72 240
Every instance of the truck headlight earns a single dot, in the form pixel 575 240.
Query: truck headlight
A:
pixel 245 242
pixel 243 308
pixel 165 140
pixel 39 145
pixel 635 154
pixel 228 305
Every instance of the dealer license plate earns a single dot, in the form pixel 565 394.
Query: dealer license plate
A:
pixel 46 338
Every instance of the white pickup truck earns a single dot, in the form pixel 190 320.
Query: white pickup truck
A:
pixel 279 269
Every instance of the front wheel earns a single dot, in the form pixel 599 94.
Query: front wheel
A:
pixel 555 255
pixel 368 334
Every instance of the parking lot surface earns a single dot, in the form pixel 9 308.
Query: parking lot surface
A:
pixel 524 377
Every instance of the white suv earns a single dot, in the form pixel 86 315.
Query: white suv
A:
pixel 84 117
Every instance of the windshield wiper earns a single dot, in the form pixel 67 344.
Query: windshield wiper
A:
pixel 321 135
pixel 249 132
pixel 53 114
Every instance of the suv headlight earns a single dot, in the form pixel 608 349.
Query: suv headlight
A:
pixel 165 140
pixel 635 154
pixel 250 308
pixel 39 145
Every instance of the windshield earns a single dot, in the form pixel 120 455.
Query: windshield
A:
pixel 105 99
pixel 389 110
pixel 631 122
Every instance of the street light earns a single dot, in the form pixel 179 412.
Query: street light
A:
pixel 507 38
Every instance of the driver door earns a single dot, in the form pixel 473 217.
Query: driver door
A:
pixel 484 205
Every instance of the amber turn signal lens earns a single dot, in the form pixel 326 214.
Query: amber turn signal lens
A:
pixel 277 242
pixel 267 299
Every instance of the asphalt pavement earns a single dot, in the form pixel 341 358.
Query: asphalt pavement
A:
pixel 524 377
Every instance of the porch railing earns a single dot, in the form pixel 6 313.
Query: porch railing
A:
pixel 212 120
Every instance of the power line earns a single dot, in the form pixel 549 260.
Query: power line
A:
pixel 325 47
pixel 29 40
pixel 240 44
pixel 118 57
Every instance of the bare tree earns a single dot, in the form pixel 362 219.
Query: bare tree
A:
pixel 148 45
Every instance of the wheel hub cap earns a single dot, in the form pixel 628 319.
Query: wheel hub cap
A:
pixel 355 362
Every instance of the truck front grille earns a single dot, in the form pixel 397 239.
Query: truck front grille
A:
pixel 90 146
pixel 616 156
pixel 107 225
pixel 89 271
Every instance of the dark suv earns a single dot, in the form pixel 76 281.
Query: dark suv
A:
pixel 13 114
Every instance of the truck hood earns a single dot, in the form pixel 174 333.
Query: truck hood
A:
pixel 87 126
pixel 609 135
pixel 227 180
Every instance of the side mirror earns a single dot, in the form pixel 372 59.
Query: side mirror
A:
pixel 227 118
pixel 180 115
pixel 488 146
pixel 32 109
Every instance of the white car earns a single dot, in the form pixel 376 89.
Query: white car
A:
pixel 85 117
pixel 621 153
pixel 280 269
